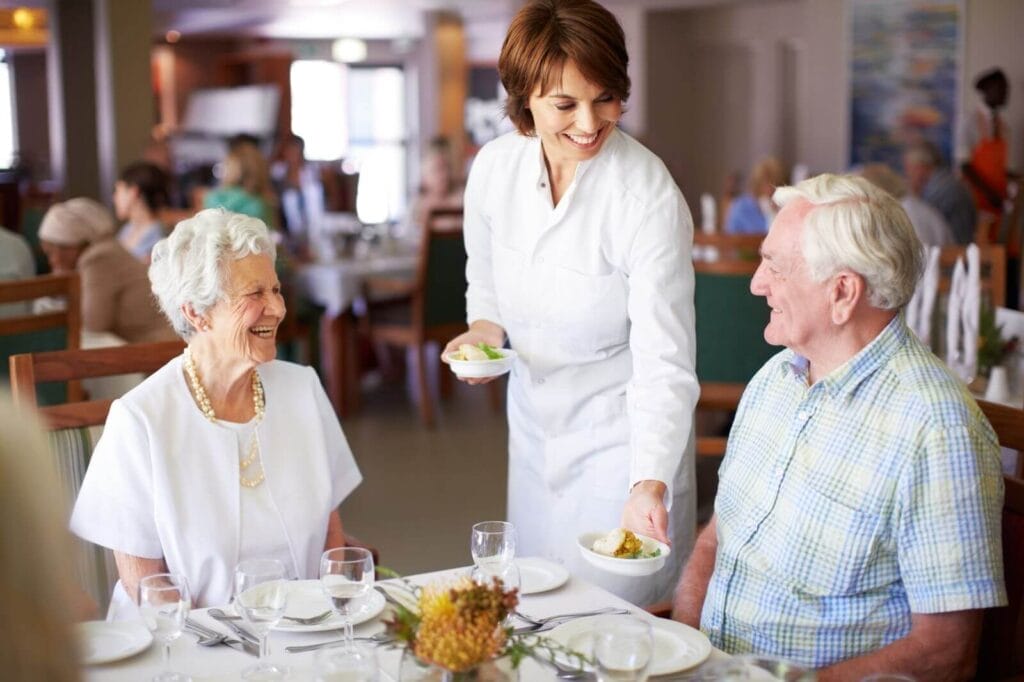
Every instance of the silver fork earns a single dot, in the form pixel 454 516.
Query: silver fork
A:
pixel 541 622
pixel 379 638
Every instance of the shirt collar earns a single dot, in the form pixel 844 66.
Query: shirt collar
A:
pixel 844 380
pixel 582 166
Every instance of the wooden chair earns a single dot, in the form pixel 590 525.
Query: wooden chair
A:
pixel 1002 640
pixel 46 331
pixel 431 307
pixel 727 248
pixel 993 270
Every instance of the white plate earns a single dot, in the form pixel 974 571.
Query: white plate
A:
pixel 103 642
pixel 479 369
pixel 306 598
pixel 540 575
pixel 630 567
pixel 677 647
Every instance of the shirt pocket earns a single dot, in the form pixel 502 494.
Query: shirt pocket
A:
pixel 588 308
pixel 822 547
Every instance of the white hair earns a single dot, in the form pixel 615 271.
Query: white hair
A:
pixel 857 226
pixel 188 267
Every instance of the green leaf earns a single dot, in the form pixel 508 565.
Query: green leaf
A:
pixel 489 351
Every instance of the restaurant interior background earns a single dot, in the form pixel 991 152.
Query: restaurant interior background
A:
pixel 88 86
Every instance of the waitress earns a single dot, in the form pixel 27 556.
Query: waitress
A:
pixel 579 255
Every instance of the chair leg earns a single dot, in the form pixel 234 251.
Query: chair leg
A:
pixel 423 388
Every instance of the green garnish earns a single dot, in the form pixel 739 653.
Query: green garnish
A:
pixel 490 352
pixel 640 554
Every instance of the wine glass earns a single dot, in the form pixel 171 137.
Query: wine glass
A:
pixel 346 573
pixel 351 663
pixel 493 546
pixel 261 595
pixel 164 602
pixel 623 649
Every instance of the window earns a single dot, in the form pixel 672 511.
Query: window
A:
pixel 7 151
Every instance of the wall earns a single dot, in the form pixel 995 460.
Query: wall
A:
pixel 727 84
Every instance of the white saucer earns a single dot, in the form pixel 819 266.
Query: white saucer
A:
pixel 103 642
pixel 306 598
pixel 540 575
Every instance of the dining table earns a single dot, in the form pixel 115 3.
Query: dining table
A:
pixel 336 284
pixel 223 663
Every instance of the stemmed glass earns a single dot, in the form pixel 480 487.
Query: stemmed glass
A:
pixel 346 573
pixel 352 663
pixel 261 595
pixel 623 649
pixel 493 546
pixel 164 601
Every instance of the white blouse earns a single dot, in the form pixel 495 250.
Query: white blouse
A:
pixel 163 481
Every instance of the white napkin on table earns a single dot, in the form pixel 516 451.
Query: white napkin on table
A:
pixel 919 310
pixel 971 310
pixel 707 213
pixel 954 306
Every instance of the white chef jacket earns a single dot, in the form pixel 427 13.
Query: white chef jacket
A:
pixel 163 481
pixel 596 296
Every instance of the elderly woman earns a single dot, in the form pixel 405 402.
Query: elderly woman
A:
pixel 78 235
pixel 579 254
pixel 224 454
pixel 753 211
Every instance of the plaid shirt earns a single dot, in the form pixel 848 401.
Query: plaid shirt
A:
pixel 845 506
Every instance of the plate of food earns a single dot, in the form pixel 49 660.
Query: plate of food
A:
pixel 677 647
pixel 103 642
pixel 623 552
pixel 479 361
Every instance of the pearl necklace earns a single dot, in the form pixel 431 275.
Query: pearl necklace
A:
pixel 258 403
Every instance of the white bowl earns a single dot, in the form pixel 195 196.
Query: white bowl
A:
pixel 479 369
pixel 620 566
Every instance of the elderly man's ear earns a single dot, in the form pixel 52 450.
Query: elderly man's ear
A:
pixel 846 293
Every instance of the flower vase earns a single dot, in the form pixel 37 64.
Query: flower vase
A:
pixel 414 670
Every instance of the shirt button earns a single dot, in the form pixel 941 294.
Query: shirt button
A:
pixel 540 381
pixel 540 260
pixel 803 415
pixel 543 184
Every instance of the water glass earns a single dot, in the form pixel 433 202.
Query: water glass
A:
pixel 164 602
pixel 350 663
pixel 493 545
pixel 623 649
pixel 346 573
pixel 261 596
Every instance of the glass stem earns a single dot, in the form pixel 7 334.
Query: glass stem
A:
pixel 167 656
pixel 264 647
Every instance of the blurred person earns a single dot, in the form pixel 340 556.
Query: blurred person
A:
pixel 578 244
pixel 139 194
pixel 36 590
pixel 857 520
pixel 928 223
pixel 224 454
pixel 245 185
pixel 78 235
pixel 985 137
pixel 930 180
pixel 299 188
pixel 752 211
pixel 440 184
pixel 16 262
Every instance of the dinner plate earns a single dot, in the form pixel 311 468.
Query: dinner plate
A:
pixel 620 566
pixel 306 598
pixel 480 369
pixel 677 647
pixel 103 642
pixel 540 575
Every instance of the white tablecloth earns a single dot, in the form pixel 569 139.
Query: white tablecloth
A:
pixel 335 284
pixel 223 663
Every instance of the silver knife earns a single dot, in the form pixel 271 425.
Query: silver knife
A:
pixel 242 645
pixel 238 630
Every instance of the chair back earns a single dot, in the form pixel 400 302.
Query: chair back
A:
pixel 993 271
pixel 55 330
pixel 440 298
pixel 1002 641
pixel 727 247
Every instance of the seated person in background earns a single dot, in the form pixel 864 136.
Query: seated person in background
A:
pixel 225 453
pixel 299 188
pixel 16 262
pixel 440 184
pixel 139 194
pixel 928 223
pixel 245 184
pixel 857 522
pixel 752 212
pixel 37 593
pixel 78 235
pixel 927 179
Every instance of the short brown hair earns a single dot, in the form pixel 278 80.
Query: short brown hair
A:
pixel 543 36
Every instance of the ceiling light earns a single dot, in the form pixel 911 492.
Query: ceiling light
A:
pixel 23 18
pixel 348 50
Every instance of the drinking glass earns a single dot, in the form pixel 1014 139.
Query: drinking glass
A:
pixel 261 595
pixel 493 545
pixel 623 649
pixel 346 573
pixel 351 663
pixel 164 602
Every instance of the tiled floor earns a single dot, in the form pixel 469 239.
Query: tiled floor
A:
pixel 424 489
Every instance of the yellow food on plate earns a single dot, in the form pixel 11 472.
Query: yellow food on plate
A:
pixel 470 353
pixel 620 543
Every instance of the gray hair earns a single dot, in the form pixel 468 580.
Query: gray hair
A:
pixel 857 226
pixel 188 267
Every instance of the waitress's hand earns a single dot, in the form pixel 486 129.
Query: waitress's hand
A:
pixel 480 331
pixel 645 511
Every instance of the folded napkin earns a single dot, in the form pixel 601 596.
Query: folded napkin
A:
pixel 954 306
pixel 919 310
pixel 707 213
pixel 971 311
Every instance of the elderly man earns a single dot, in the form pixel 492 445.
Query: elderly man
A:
pixel 856 526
